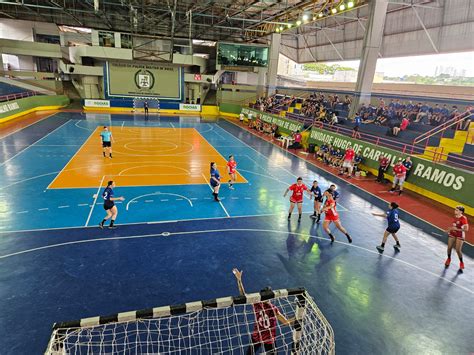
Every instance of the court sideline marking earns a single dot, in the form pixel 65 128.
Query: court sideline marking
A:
pixel 31 124
pixel 95 200
pixel 32 145
pixel 26 251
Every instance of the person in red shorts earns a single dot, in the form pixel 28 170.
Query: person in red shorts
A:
pixel 331 216
pixel 457 234
pixel 297 196
pixel 231 169
pixel 267 317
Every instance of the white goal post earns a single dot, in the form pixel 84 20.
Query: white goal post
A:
pixel 219 326
pixel 139 104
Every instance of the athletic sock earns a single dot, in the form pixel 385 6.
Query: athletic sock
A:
pixel 110 155
pixel 398 243
pixel 299 216
pixel 104 154
pixel 382 245
pixel 332 237
pixel 349 239
pixel 112 223
pixel 460 259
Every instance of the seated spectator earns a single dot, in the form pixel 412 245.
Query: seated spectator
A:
pixel 321 152
pixel 357 160
pixel 275 133
pixel 333 120
pixel 401 127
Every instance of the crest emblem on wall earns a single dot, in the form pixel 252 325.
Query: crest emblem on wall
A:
pixel 144 79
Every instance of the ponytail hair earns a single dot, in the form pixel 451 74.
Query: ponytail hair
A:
pixel 393 205
pixel 212 163
pixel 109 183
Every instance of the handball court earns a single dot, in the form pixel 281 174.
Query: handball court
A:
pixel 174 244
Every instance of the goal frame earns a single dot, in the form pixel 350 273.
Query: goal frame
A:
pixel 303 300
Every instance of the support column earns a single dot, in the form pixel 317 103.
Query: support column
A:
pixel 370 51
pixel 273 56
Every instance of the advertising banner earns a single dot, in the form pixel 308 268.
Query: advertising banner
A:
pixel 284 125
pixel 455 184
pixel 190 107
pixel 96 103
pixel 128 80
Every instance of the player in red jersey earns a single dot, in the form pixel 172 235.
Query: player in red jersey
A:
pixel 267 317
pixel 331 216
pixel 231 169
pixel 399 175
pixel 348 162
pixel 297 196
pixel 456 235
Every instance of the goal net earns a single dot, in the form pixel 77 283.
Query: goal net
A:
pixel 139 103
pixel 221 326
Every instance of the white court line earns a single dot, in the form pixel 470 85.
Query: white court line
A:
pixel 219 231
pixel 155 194
pixel 95 200
pixel 171 124
pixel 77 151
pixel 32 145
pixel 121 127
pixel 31 124
pixel 220 202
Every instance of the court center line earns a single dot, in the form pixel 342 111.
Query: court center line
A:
pixel 95 200
pixel 32 145
pixel 26 251
pixel 220 202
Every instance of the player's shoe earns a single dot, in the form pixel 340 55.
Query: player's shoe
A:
pixel 289 216
pixel 231 187
pixel 447 262
pixel 461 265
pixel 299 218
pixel 332 239
pixel 112 227
pixel 397 248
pixel 101 226
pixel 380 248
pixel 349 239
pixel 313 216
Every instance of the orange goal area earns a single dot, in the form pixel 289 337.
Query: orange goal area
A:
pixel 143 156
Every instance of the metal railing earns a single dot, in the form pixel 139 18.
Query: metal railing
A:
pixel 457 120
pixel 21 95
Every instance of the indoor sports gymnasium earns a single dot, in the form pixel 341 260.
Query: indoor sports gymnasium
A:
pixel 236 177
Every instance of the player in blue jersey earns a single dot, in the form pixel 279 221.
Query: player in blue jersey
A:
pixel 215 181
pixel 318 198
pixel 109 205
pixel 106 137
pixel 393 226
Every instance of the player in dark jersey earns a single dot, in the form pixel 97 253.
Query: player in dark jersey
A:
pixel 318 198
pixel 109 205
pixel 335 194
pixel 297 196
pixel 457 234
pixel 393 226
pixel 267 317
pixel 215 181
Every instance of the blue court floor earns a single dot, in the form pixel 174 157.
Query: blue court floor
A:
pixel 55 265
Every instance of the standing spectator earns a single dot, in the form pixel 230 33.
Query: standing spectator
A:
pixel 348 162
pixel 399 175
pixel 297 141
pixel 357 123
pixel 383 166
pixel 407 163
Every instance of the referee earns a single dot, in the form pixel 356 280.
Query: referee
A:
pixel 106 137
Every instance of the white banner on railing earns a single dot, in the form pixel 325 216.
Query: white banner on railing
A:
pixel 11 106
pixel 97 103
pixel 190 107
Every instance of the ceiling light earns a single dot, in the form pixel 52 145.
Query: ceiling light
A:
pixel 342 7
pixel 289 25
pixel 314 18
pixel 305 17
pixel 298 22
pixel 350 4
pixel 277 30
pixel 281 28
pixel 333 10
pixel 320 14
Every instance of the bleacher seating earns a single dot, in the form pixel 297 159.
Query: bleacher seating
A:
pixel 7 89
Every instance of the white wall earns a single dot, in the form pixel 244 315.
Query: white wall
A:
pixel 246 78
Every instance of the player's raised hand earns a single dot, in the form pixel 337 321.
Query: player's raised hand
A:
pixel 237 273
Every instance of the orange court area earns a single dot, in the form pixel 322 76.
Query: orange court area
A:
pixel 143 156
